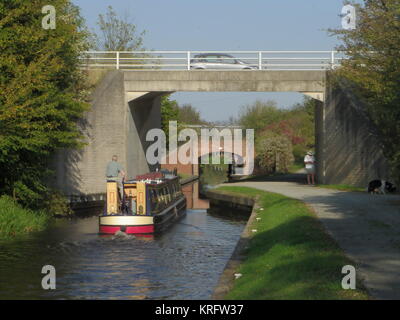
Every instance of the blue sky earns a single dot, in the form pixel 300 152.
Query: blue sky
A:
pixel 224 25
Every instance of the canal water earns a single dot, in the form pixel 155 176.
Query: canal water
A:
pixel 184 262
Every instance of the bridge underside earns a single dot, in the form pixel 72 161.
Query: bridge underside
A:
pixel 308 82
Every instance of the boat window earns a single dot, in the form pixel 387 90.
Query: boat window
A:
pixel 174 190
pixel 178 189
pixel 164 195
pixel 170 191
pixel 153 196
pixel 160 199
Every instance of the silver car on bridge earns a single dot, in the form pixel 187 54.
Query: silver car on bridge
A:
pixel 217 61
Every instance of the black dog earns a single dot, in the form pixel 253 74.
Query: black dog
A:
pixel 380 186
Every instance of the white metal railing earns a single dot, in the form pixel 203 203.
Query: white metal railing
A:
pixel 187 60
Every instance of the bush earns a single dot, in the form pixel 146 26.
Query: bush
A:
pixel 15 220
pixel 274 153
pixel 295 126
pixel 299 151
pixel 56 204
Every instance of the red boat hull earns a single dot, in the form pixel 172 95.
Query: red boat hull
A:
pixel 142 224
pixel 127 229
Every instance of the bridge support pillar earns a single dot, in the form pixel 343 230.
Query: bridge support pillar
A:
pixel 144 114
pixel 320 132
pixel 320 96
pixel 117 123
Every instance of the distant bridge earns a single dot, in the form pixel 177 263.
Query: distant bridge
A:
pixel 181 60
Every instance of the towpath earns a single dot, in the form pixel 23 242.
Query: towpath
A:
pixel 367 227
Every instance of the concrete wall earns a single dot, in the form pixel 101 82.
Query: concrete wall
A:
pixel 144 113
pixel 116 124
pixel 319 141
pixel 348 151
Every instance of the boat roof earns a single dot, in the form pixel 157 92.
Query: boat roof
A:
pixel 153 178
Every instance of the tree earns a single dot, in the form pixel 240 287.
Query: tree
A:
pixel 189 115
pixel 295 124
pixel 118 34
pixel 41 93
pixel 373 68
pixel 259 115
pixel 169 112
pixel 300 119
pixel 274 153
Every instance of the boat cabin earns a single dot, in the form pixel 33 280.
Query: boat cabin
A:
pixel 147 194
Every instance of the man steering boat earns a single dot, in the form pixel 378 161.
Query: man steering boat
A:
pixel 115 172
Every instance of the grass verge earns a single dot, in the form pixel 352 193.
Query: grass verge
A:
pixel 341 187
pixel 290 256
pixel 15 220
pixel 184 176
pixel 296 167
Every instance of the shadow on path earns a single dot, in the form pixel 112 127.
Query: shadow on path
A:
pixel 299 178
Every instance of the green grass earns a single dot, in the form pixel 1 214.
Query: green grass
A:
pixel 341 187
pixel 296 167
pixel 378 224
pixel 290 256
pixel 184 176
pixel 15 220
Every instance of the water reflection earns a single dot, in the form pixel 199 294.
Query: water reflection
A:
pixel 209 176
pixel 193 200
pixel 183 263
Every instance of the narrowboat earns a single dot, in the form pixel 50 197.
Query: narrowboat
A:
pixel 150 203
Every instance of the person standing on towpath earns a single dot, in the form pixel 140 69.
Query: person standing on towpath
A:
pixel 309 162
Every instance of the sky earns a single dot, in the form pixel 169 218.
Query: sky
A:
pixel 227 25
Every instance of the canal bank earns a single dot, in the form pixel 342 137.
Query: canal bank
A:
pixel 245 205
pixel 16 220
pixel 283 253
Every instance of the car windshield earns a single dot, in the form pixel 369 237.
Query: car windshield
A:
pixel 241 61
pixel 215 58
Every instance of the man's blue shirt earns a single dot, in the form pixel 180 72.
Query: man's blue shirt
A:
pixel 113 169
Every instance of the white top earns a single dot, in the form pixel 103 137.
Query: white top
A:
pixel 309 158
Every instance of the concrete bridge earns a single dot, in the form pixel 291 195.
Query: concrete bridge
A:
pixel 305 81
pixel 126 104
